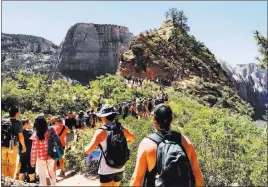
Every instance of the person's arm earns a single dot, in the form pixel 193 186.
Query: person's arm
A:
pixel 130 137
pixel 141 166
pixel 21 139
pixel 67 129
pixel 98 137
pixel 34 152
pixel 193 160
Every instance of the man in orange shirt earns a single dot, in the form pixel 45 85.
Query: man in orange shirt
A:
pixel 62 131
pixel 146 170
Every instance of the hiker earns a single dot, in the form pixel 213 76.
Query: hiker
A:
pixel 25 158
pixel 158 101
pixel 39 152
pixel 145 107
pixel 139 109
pixel 114 147
pixel 150 106
pixel 132 110
pixel 120 109
pixel 62 131
pixel 150 165
pixel 125 110
pixel 87 119
pixel 80 123
pixel 11 134
pixel 128 78
pixel 166 98
pixel 93 119
pixel 70 122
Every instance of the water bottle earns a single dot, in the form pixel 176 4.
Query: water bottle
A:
pixel 95 155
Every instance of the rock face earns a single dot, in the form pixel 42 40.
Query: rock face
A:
pixel 90 50
pixel 30 53
pixel 251 84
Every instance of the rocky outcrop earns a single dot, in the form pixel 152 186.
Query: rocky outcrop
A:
pixel 7 181
pixel 171 56
pixel 90 50
pixel 30 53
pixel 251 84
pixel 158 54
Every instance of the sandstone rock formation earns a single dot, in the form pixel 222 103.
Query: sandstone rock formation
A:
pixel 170 56
pixel 30 53
pixel 159 55
pixel 90 50
pixel 251 84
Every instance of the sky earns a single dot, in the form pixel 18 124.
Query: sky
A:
pixel 226 27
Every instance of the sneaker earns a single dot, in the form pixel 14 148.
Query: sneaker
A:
pixel 62 174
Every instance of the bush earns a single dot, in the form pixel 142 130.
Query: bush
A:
pixel 76 157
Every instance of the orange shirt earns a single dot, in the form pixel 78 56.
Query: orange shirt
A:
pixel 58 129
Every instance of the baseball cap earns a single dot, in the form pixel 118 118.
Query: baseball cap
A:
pixel 163 115
pixel 106 110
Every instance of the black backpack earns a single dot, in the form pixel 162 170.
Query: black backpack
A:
pixel 54 147
pixel 139 107
pixel 173 165
pixel 125 109
pixel 117 152
pixel 7 132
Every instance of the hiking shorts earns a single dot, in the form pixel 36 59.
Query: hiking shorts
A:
pixel 116 177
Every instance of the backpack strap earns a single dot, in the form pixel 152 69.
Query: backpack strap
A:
pixel 62 130
pixel 105 127
pixel 156 137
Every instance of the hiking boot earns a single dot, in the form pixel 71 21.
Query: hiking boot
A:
pixel 62 174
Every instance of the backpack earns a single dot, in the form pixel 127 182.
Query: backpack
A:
pixel 54 147
pixel 139 107
pixel 173 165
pixel 117 152
pixel 7 132
pixel 125 109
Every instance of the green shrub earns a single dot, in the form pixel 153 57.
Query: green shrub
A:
pixel 76 157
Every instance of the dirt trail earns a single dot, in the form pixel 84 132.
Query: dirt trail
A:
pixel 75 179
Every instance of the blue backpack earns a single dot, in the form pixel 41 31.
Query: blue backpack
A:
pixel 54 149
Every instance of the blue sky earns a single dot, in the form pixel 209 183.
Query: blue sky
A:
pixel 226 27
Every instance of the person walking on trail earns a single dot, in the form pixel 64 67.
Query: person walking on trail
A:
pixel 166 98
pixel 112 139
pixel 25 158
pixel 166 157
pixel 11 135
pixel 87 119
pixel 70 122
pixel 139 109
pixel 125 110
pixel 150 106
pixel 80 124
pixel 62 131
pixel 39 152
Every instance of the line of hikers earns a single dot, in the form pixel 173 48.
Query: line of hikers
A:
pixel 164 158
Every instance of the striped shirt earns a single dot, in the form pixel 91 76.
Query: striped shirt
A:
pixel 39 149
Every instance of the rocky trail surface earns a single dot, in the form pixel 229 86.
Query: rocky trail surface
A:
pixel 76 179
